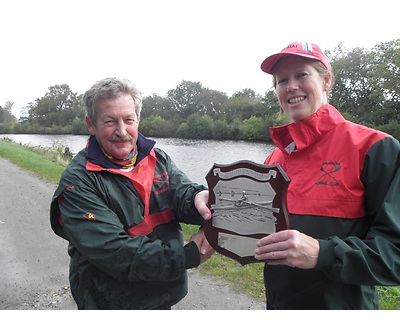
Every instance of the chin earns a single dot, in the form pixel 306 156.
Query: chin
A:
pixel 299 116
pixel 120 155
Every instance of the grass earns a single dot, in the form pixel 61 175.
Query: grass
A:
pixel 50 163
pixel 247 279
pixel 46 163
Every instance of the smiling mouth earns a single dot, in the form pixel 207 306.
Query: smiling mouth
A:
pixel 297 99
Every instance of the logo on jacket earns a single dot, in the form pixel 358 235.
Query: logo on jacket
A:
pixel 89 216
pixel 329 174
pixel 161 182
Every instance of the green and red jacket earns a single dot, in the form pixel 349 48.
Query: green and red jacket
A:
pixel 125 240
pixel 345 192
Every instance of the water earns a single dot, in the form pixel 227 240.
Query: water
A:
pixel 194 157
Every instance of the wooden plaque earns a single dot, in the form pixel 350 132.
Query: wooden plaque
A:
pixel 248 202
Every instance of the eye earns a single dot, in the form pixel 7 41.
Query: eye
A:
pixel 130 121
pixel 108 123
pixel 302 74
pixel 282 81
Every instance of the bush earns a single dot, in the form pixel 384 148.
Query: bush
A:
pixel 253 128
pixel 221 130
pixel 156 126
pixel 392 128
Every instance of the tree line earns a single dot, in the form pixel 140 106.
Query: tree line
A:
pixel 366 91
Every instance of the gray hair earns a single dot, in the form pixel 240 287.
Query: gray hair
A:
pixel 110 88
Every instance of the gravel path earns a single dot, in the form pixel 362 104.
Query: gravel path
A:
pixel 34 260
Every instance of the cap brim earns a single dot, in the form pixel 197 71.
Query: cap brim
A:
pixel 270 64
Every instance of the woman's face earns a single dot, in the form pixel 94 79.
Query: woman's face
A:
pixel 301 90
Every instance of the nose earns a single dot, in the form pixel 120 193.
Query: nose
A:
pixel 292 85
pixel 121 129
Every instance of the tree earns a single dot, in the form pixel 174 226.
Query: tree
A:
pixel 183 98
pixel 209 102
pixel 366 85
pixel 246 93
pixel 242 107
pixel 59 107
pixel 158 106
pixel 270 103
pixel 6 115
pixel 385 76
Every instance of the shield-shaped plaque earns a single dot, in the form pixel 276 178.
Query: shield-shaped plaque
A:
pixel 248 202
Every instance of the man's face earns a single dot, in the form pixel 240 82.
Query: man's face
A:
pixel 116 125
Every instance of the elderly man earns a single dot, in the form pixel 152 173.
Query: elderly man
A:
pixel 119 204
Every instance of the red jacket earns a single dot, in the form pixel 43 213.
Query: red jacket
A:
pixel 325 180
pixel 345 180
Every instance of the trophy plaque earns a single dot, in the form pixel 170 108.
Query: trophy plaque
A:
pixel 248 202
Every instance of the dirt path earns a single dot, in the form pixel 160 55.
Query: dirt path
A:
pixel 34 260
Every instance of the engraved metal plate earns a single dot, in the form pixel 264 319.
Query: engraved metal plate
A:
pixel 248 202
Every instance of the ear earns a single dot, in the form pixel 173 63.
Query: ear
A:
pixel 327 81
pixel 90 126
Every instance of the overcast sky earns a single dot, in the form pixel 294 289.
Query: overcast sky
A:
pixel 159 43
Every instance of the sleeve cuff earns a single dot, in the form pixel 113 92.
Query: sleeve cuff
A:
pixel 326 257
pixel 192 255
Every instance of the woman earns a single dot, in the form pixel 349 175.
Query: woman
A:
pixel 343 197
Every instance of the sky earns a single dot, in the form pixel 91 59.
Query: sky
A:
pixel 159 43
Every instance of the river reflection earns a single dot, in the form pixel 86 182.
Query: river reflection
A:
pixel 194 157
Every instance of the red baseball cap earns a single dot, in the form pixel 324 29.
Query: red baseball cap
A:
pixel 302 49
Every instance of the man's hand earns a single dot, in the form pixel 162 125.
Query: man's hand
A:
pixel 205 249
pixel 200 202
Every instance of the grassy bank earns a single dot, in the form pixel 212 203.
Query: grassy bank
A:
pixel 50 163
pixel 46 163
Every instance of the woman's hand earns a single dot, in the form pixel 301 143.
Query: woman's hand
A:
pixel 288 247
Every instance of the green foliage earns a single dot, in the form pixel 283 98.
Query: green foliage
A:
pixel 366 91
pixel 57 109
pixel 182 98
pixel 7 119
pixel 254 128
pixel 200 126
pixel 366 85
pixel 196 127
pixel 392 128
pixel 389 298
pixel 78 126
pixel 221 130
pixel 156 126
pixel 158 106
pixel 183 130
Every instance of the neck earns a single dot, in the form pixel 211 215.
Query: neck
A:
pixel 128 162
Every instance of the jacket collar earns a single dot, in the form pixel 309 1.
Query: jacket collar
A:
pixel 95 155
pixel 306 132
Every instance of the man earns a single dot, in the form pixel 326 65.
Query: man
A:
pixel 119 204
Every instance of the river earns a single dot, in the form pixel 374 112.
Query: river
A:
pixel 194 157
